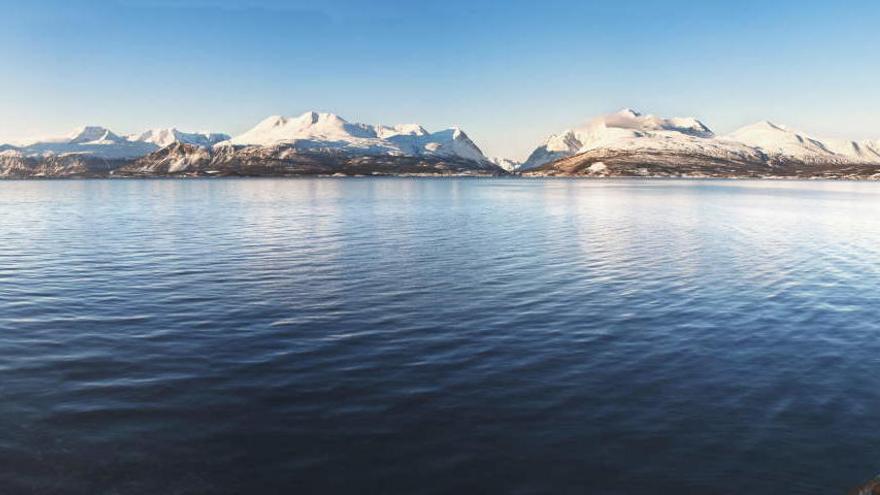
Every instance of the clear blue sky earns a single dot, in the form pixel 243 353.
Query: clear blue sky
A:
pixel 508 72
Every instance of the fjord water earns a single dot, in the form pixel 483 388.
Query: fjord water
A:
pixel 439 335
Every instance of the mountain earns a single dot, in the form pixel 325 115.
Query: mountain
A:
pixel 322 144
pixel 15 164
pixel 102 143
pixel 93 141
pixel 177 157
pixel 506 164
pixel 168 136
pixel 313 143
pixel 784 144
pixel 629 143
pixel 326 132
pixel 624 143
pixel 283 160
pixel 625 128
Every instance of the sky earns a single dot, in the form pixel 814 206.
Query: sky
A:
pixel 510 73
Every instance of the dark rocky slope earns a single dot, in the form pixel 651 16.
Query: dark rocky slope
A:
pixel 623 163
pixel 179 160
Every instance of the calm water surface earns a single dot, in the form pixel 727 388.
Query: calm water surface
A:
pixel 436 336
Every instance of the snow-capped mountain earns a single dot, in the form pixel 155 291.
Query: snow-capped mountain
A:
pixel 621 143
pixel 102 143
pixel 168 136
pixel 94 141
pixel 782 143
pixel 313 143
pixel 624 128
pixel 327 132
pixel 506 163
pixel 763 143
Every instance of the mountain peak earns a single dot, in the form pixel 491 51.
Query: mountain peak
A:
pixel 762 127
pixel 163 137
pixel 766 124
pixel 273 121
pixel 385 131
pixel 629 112
pixel 91 133
pixel 320 131
pixel 615 130
pixel 506 163
pixel 634 121
pixel 313 117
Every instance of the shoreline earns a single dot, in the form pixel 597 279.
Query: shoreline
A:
pixel 448 176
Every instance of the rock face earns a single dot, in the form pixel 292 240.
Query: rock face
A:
pixel 173 159
pixel 622 163
pixel 630 144
pixel 284 160
pixel 313 143
pixel 15 165
pixel 870 488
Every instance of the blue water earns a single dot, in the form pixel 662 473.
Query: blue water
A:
pixel 439 336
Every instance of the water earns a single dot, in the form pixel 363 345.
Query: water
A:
pixel 436 336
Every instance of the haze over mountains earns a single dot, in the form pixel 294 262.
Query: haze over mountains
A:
pixel 624 143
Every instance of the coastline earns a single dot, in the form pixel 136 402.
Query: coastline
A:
pixel 443 176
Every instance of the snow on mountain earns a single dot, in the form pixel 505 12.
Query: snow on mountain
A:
pixel 626 134
pixel 763 142
pixel 385 132
pixel 175 158
pixel 310 126
pixel 506 163
pixel 100 142
pixel 783 143
pixel 449 142
pixel 636 122
pixel 624 128
pixel 313 131
pixel 89 135
pixel 861 151
pixel 165 137
pixel 94 141
pixel 779 140
pixel 871 146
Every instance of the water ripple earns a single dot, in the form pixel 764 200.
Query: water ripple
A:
pixel 434 336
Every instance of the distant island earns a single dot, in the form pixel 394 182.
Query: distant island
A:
pixel 622 144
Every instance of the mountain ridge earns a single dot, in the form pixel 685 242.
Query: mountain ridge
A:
pixel 623 143
pixel 311 143
pixel 317 131
pixel 629 133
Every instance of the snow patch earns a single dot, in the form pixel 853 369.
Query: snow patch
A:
pixel 597 168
